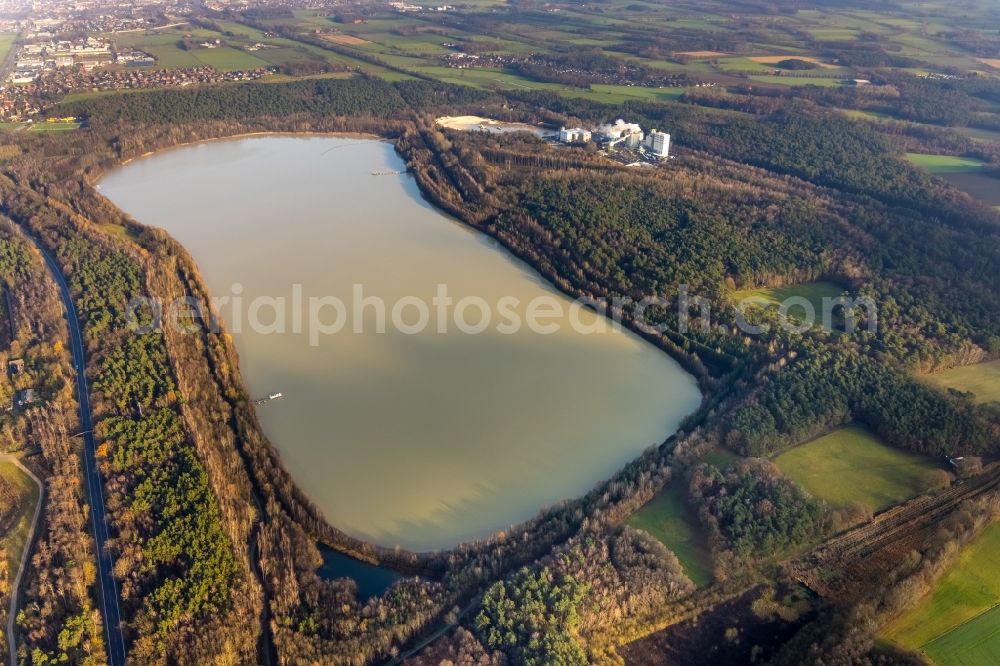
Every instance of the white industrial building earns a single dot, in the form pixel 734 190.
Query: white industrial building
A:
pixel 622 134
pixel 658 143
pixel 574 135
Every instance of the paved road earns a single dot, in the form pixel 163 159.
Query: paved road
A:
pixel 106 584
pixel 12 611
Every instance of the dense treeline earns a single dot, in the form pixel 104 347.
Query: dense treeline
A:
pixel 357 97
pixel 57 621
pixel 533 618
pixel 824 389
pixel 176 559
pixel 164 514
pixel 751 510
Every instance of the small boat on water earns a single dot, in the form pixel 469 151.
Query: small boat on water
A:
pixel 263 401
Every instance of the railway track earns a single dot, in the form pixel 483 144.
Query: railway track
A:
pixel 876 547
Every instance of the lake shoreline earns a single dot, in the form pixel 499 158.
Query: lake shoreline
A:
pixel 243 135
pixel 535 276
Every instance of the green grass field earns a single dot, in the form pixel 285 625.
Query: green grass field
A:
pixel 669 519
pixel 54 127
pixel 7 40
pixel 944 163
pixel 852 465
pixel 799 81
pixel 982 379
pixel 958 623
pixel 975 643
pixel 229 59
pixel 813 292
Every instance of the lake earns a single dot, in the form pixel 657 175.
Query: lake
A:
pixel 416 437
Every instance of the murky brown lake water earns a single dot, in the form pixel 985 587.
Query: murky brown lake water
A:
pixel 417 439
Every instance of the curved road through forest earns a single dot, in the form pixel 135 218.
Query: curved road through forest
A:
pixel 106 584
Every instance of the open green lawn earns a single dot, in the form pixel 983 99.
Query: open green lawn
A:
pixel 958 623
pixel 670 520
pixel 813 292
pixel 852 465
pixel 982 379
pixel 944 163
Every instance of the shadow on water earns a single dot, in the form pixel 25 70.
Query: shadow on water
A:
pixel 372 580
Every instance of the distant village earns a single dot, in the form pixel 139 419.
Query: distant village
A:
pixel 20 103
pixel 37 57
pixel 48 65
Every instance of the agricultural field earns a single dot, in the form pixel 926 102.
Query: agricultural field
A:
pixel 775 59
pixel 420 41
pixel 852 466
pixel 822 82
pixel 958 623
pixel 980 379
pixel 165 46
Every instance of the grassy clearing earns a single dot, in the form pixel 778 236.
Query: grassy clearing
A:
pixel 944 163
pixel 16 537
pixel 721 458
pixel 958 622
pixel 850 465
pixel 873 116
pixel 813 292
pixel 981 379
pixel 669 519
